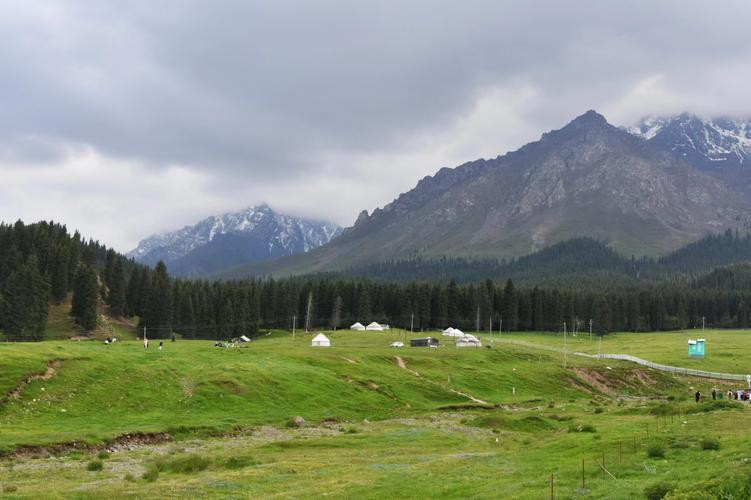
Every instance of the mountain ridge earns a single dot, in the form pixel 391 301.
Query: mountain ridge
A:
pixel 586 179
pixel 253 234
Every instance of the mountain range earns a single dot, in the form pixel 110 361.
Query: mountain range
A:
pixel 255 234
pixel 635 190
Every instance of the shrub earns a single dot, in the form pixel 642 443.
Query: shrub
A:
pixel 129 477
pixel 9 488
pixel 95 465
pixel 680 445
pixel 656 451
pixel 103 455
pixel 710 444
pixel 658 490
pixel 240 462
pixel 582 428
pixel 599 409
pixel 150 475
pixel 183 464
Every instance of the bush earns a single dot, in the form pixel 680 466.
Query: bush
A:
pixel 582 428
pixel 240 462
pixel 599 409
pixel 103 455
pixel 657 491
pixel 9 488
pixel 710 444
pixel 150 475
pixel 656 451
pixel 129 477
pixel 183 464
pixel 95 465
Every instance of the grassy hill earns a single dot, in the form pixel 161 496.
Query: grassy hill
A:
pixel 444 422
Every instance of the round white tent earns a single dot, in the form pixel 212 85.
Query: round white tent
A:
pixel 448 331
pixel 374 326
pixel 321 340
pixel 357 326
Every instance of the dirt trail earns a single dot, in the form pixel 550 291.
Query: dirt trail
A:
pixel 51 371
pixel 470 397
pixel 403 366
pixel 348 360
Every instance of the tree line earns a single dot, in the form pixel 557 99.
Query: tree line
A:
pixel 42 264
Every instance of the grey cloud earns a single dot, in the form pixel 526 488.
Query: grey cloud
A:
pixel 257 93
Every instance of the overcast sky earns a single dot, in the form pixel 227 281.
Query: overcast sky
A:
pixel 122 119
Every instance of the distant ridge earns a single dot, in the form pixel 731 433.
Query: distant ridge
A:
pixel 255 234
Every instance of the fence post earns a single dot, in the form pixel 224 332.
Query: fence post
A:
pixel 552 487
pixel 582 473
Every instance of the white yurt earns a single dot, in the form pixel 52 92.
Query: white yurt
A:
pixel 457 333
pixel 374 326
pixel 357 326
pixel 468 341
pixel 321 340
pixel 448 331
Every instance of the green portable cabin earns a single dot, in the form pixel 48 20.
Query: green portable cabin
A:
pixel 696 348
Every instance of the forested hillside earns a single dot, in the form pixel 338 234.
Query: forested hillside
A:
pixel 41 264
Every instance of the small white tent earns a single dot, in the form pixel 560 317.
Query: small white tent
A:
pixel 357 326
pixel 468 341
pixel 374 326
pixel 321 340
pixel 453 332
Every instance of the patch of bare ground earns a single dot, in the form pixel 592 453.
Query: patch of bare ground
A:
pixel 403 366
pixel 129 441
pixel 594 379
pixel 51 371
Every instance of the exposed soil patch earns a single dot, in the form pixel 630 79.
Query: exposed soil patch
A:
pixel 130 441
pixel 403 366
pixel 470 397
pixel 51 371
pixel 595 379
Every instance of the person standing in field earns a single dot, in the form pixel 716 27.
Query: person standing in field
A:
pixel 697 396
pixel 714 394
pixel 161 344
pixel 145 343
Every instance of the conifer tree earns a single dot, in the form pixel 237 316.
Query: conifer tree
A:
pixel 84 307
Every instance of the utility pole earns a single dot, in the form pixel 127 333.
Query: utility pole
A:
pixel 307 313
pixel 294 323
pixel 412 324
pixel 500 327
pixel 702 323
pixel 565 349
pixel 144 332
pixel 590 329
pixel 477 321
pixel 490 325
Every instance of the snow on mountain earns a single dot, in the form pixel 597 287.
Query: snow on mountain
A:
pixel 709 144
pixel 254 234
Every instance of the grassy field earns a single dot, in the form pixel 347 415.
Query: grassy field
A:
pixel 450 422
pixel 726 350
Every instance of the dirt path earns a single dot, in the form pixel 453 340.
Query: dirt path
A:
pixel 403 366
pixel 470 397
pixel 348 360
pixel 51 371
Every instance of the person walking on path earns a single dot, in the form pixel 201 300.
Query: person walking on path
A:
pixel 714 394
pixel 697 396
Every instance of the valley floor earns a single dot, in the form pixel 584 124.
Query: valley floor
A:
pixel 374 425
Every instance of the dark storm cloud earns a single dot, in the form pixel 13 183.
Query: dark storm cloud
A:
pixel 267 96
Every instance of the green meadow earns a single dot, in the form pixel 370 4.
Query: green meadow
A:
pixel 198 421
